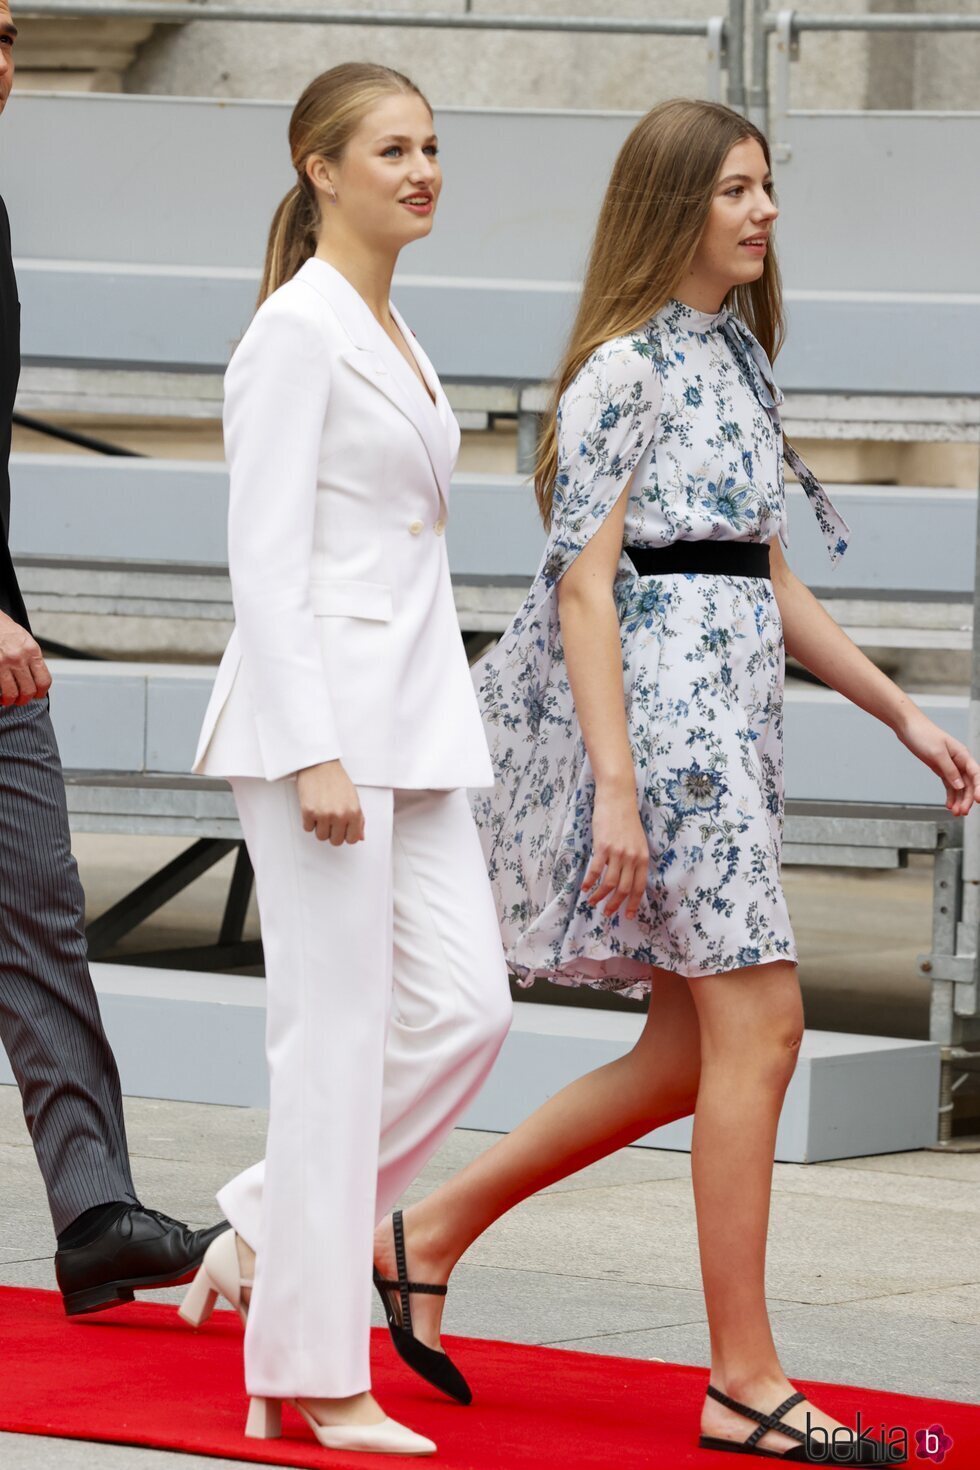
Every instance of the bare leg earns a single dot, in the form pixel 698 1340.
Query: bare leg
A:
pixel 590 1118
pixel 751 1024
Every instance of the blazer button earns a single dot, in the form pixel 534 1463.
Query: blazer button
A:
pixel 439 526
pixel 416 528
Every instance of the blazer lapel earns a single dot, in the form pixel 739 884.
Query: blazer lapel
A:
pixel 447 419
pixel 376 358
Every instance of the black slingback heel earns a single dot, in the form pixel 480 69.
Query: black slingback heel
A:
pixel 866 1452
pixel 435 1367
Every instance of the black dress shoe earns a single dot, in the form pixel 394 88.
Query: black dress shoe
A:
pixel 141 1249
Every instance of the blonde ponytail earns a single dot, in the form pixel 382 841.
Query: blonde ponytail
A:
pixel 292 238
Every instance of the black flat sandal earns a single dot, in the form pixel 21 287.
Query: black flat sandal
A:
pixel 824 1451
pixel 435 1367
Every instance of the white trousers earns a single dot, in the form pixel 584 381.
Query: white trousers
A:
pixel 387 1004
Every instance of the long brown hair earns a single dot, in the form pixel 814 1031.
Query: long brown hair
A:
pixel 323 121
pixel 651 221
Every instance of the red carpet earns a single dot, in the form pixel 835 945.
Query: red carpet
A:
pixel 139 1376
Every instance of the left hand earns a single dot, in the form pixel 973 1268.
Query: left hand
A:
pixel 951 761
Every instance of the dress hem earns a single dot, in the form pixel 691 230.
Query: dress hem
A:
pixel 633 987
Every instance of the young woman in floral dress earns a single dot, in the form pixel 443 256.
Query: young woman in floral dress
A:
pixel 635 715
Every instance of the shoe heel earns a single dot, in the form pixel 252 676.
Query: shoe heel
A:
pixel 198 1304
pixel 95 1298
pixel 264 1419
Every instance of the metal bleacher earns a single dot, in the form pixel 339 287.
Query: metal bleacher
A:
pixel 163 292
pixel 136 308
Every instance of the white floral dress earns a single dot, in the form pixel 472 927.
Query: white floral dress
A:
pixel 683 411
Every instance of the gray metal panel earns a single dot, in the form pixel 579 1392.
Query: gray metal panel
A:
pixel 90 510
pixel 208 1046
pixel 837 752
pixel 202 806
pixel 880 201
pixel 192 807
pixel 171 180
pixel 174 711
pixel 99 717
pixel 154 318
pixel 492 291
pixel 527 210
pixel 860 344
pixel 838 855
pixel 522 192
pixel 119 509
pixel 520 198
pixel 120 717
pixel 902 538
pixel 850 1095
pixel 141 318
pixel 870 827
pixel 494 528
pixel 849 1115
pixel 510 330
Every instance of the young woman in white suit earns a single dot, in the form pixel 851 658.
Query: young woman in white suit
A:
pixel 344 716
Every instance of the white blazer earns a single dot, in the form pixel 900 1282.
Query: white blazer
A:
pixel 346 641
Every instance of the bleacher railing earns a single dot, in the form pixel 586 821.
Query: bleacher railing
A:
pixel 724 44
pixel 768 100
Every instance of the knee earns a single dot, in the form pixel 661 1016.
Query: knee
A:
pixel 779 1051
pixel 490 1013
pixel 762 1042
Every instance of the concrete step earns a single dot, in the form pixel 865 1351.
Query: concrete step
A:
pixel 850 1095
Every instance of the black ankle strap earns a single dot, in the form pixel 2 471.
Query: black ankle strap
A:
pixel 764 1421
pixel 414 1286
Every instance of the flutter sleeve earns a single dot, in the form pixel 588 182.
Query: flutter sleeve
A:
pixel 606 418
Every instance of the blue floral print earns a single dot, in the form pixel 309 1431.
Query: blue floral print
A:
pixel 682 416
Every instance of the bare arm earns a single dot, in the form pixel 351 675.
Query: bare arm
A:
pixel 594 658
pixel 820 645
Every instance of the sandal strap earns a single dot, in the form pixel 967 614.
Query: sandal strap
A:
pixel 415 1286
pixel 401 1265
pixel 764 1421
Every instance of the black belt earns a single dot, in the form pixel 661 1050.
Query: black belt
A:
pixel 723 558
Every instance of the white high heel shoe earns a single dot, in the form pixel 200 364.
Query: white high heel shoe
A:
pixel 387 1438
pixel 219 1274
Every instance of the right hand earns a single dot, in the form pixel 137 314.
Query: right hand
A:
pixel 620 853
pixel 23 673
pixel 330 805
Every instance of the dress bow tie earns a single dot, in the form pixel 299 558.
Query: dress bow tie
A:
pixel 751 357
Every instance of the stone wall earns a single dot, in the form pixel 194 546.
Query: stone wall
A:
pixel 508 69
pixel 497 68
pixel 77 55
